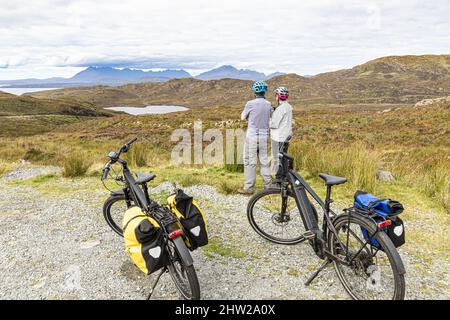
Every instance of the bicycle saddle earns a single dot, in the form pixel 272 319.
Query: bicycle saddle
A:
pixel 332 180
pixel 144 177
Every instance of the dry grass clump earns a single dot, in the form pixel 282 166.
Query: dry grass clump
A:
pixel 356 162
pixel 76 164
pixel 5 167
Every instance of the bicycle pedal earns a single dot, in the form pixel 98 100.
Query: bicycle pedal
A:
pixel 309 235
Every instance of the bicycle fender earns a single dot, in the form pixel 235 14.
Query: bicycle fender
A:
pixel 185 255
pixel 118 192
pixel 395 254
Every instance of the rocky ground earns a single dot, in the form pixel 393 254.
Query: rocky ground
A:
pixel 57 246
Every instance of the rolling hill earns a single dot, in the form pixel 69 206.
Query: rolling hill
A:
pixel 11 105
pixel 395 79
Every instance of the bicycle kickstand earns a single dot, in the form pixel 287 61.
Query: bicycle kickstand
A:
pixel 156 282
pixel 316 273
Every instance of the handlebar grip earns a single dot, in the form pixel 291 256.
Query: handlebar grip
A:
pixel 105 172
pixel 132 141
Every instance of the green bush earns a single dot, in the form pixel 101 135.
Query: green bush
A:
pixel 76 164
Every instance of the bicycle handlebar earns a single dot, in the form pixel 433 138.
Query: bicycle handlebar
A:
pixel 106 171
pixel 132 141
pixel 114 156
pixel 127 146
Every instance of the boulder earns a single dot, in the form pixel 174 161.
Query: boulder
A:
pixel 385 176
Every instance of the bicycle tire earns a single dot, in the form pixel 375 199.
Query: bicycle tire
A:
pixel 389 250
pixel 115 226
pixel 189 270
pixel 250 215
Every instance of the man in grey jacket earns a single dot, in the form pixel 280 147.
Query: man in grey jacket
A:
pixel 257 114
pixel 280 126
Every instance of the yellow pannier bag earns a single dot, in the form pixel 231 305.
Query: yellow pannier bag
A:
pixel 191 217
pixel 144 241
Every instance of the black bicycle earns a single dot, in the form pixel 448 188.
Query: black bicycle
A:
pixel 134 192
pixel 286 215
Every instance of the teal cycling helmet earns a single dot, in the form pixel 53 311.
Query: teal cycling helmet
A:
pixel 259 87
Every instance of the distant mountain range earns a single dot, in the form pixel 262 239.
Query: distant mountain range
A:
pixel 395 79
pixel 230 72
pixel 116 77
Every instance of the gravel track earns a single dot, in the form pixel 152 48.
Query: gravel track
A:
pixel 56 247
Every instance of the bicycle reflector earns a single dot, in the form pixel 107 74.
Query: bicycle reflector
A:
pixel 384 224
pixel 175 234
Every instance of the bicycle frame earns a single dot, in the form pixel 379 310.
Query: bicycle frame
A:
pixel 139 196
pixel 300 188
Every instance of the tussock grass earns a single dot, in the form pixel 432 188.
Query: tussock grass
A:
pixel 228 186
pixel 356 162
pixel 427 170
pixel 5 167
pixel 137 156
pixel 190 179
pixel 436 183
pixel 233 167
pixel 76 164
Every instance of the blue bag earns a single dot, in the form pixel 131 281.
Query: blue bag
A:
pixel 382 209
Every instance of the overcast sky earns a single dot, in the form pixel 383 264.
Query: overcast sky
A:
pixel 60 37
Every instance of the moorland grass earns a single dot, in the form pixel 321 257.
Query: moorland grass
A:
pixel 5 167
pixel 76 164
pixel 353 142
pixel 355 162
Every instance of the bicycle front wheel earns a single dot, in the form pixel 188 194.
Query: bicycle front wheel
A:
pixel 370 269
pixel 184 276
pixel 113 211
pixel 276 218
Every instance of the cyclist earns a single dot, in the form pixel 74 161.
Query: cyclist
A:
pixel 257 115
pixel 280 126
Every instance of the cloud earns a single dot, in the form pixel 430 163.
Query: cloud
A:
pixel 306 37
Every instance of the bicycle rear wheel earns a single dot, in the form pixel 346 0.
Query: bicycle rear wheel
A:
pixel 370 273
pixel 184 276
pixel 264 213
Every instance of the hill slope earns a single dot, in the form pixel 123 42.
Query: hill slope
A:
pixel 396 79
pixel 11 105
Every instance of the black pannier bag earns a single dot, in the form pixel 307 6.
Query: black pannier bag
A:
pixel 144 241
pixel 396 232
pixel 380 210
pixel 191 217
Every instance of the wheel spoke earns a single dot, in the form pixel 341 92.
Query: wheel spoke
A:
pixel 370 273
pixel 276 219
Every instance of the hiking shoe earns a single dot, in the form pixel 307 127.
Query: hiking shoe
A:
pixel 245 192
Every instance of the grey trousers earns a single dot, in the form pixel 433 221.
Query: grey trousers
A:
pixel 256 147
pixel 275 159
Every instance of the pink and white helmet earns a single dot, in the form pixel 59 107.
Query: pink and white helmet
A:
pixel 282 93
